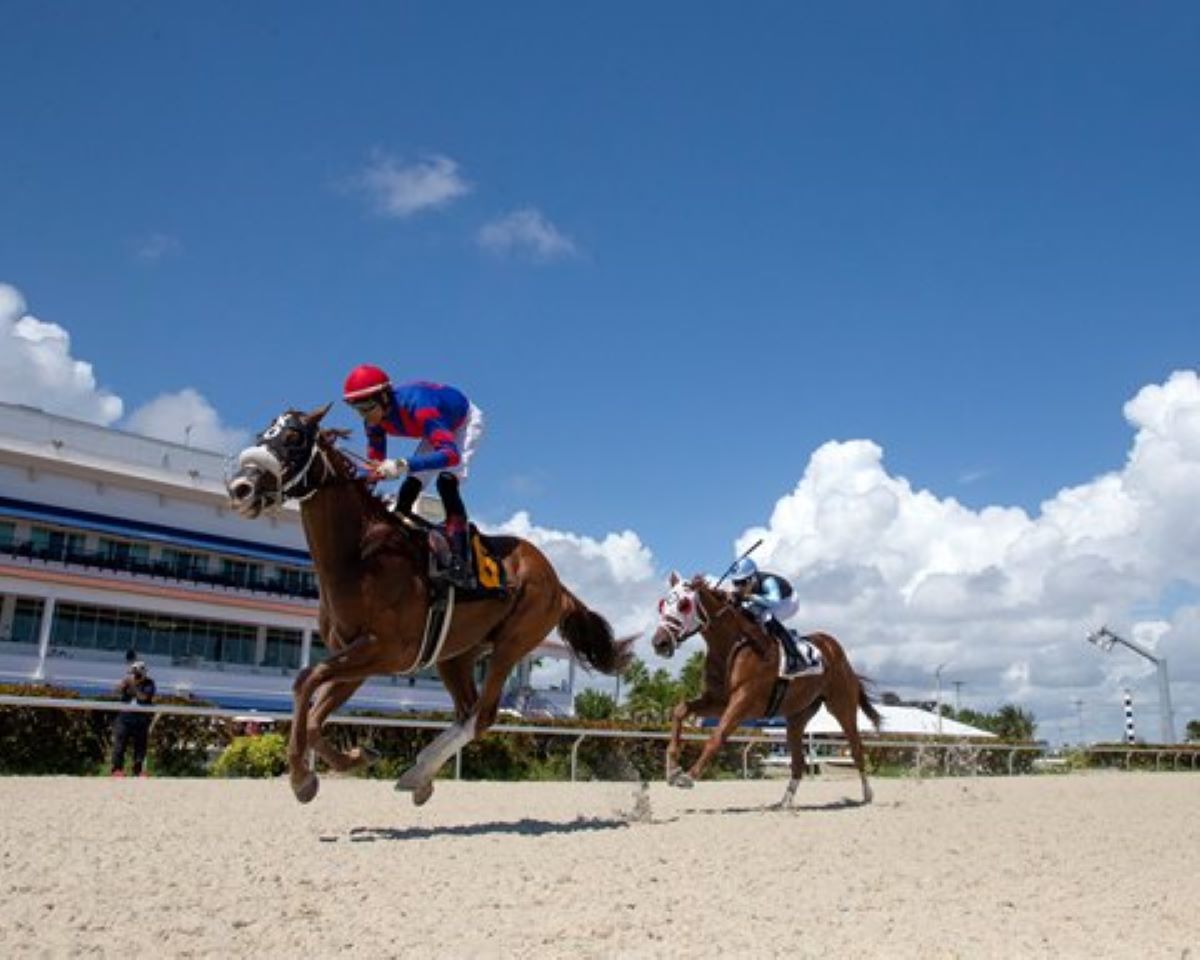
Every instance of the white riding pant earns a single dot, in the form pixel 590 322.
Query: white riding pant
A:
pixel 466 438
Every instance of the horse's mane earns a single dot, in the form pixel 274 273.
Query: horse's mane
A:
pixel 348 472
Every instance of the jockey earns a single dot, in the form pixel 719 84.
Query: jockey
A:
pixel 768 597
pixel 449 427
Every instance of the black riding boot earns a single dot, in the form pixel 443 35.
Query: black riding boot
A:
pixel 410 489
pixel 457 532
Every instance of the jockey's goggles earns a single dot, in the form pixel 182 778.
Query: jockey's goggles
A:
pixel 365 406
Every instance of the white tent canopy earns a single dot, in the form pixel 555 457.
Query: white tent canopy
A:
pixel 902 720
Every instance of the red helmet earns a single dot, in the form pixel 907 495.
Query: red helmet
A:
pixel 364 381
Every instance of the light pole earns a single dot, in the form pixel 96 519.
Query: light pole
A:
pixel 938 673
pixel 958 684
pixel 1105 639
pixel 1079 712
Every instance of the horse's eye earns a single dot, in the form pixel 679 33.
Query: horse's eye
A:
pixel 685 605
pixel 291 437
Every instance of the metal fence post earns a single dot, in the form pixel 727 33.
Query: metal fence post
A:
pixel 575 754
pixel 746 760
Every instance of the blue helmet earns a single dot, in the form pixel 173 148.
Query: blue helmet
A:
pixel 742 570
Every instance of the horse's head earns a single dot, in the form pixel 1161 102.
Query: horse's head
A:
pixel 679 615
pixel 278 466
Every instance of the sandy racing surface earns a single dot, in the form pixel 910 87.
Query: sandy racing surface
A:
pixel 1100 865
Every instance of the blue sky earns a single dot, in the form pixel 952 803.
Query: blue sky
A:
pixel 963 231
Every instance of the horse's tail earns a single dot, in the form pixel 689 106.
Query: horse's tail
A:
pixel 866 704
pixel 590 636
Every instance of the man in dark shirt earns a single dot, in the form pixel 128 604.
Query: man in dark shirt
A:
pixel 136 687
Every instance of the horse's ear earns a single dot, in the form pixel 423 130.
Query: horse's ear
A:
pixel 673 579
pixel 318 415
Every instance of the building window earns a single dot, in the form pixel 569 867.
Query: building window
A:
pixel 123 552
pixel 8 534
pixel 27 620
pixel 47 543
pixel 181 638
pixel 184 563
pixel 283 648
pixel 240 573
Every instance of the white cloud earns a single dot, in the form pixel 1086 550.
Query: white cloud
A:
pixel 157 246
pixel 526 233
pixel 614 576
pixel 36 366
pixel 909 580
pixel 400 190
pixel 37 369
pixel 186 417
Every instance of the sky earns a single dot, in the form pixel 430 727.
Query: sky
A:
pixel 910 292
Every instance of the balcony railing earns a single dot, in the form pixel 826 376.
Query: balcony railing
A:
pixel 159 569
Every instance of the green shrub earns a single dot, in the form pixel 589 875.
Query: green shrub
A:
pixel 42 740
pixel 261 756
pixel 182 745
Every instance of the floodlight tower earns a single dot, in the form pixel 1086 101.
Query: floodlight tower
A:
pixel 1105 639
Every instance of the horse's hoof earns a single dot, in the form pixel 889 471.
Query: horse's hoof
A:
pixel 419 797
pixel 410 779
pixel 683 781
pixel 421 792
pixel 307 788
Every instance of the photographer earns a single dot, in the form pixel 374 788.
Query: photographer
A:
pixel 136 687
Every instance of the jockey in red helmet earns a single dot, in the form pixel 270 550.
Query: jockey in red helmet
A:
pixel 448 426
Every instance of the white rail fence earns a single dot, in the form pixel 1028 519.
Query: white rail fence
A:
pixel 929 757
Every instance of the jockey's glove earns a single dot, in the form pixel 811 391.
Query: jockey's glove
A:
pixel 391 469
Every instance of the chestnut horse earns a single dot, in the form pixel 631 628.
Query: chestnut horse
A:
pixel 375 593
pixel 740 675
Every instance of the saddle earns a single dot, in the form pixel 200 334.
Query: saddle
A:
pixel 485 571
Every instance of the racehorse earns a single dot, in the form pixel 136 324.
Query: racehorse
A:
pixel 376 592
pixel 741 674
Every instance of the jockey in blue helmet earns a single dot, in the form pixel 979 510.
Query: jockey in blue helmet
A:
pixel 767 597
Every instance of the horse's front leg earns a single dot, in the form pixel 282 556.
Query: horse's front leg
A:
pixel 304 781
pixel 329 697
pixel 703 706
pixel 737 711
pixel 352 665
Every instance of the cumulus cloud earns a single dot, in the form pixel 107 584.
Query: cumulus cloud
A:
pixel 400 190
pixel 37 369
pixel 526 233
pixel 615 576
pixel 36 366
pixel 186 417
pixel 908 579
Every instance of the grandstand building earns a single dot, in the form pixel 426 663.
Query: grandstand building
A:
pixel 111 541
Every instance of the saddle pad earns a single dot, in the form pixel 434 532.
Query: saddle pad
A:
pixel 488 571
pixel 800 658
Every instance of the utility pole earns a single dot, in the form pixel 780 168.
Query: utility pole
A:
pixel 1079 712
pixel 938 673
pixel 1105 640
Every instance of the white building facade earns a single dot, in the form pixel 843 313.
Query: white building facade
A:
pixel 111 541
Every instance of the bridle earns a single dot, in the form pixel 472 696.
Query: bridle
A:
pixel 673 626
pixel 303 483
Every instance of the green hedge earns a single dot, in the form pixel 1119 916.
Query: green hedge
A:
pixel 41 740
